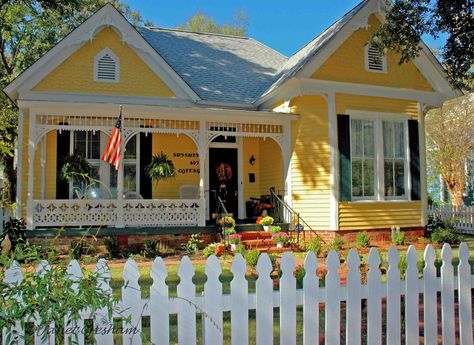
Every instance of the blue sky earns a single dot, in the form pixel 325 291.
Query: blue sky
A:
pixel 284 25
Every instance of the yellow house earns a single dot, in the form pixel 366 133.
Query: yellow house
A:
pixel 334 134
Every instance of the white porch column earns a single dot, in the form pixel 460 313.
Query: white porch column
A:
pixel 202 151
pixel 19 164
pixel 332 123
pixel 422 147
pixel 43 167
pixel 31 165
pixel 286 155
pixel 120 177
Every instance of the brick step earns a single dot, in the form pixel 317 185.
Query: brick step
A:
pixel 274 250
pixel 258 243
pixel 254 235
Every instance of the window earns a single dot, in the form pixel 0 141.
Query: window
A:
pixel 130 164
pixel 363 158
pixel 87 144
pixel 106 67
pixel 379 154
pixel 374 60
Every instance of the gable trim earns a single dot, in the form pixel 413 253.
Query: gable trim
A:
pixel 107 16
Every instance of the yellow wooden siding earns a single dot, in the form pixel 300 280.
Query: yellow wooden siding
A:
pixel 271 167
pixel 379 215
pixel 251 146
pixel 311 188
pixel 347 64
pixel 345 102
pixel 76 73
pixel 186 173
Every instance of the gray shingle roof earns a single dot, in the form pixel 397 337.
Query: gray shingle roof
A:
pixel 217 67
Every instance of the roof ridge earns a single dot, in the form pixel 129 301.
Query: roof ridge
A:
pixel 154 28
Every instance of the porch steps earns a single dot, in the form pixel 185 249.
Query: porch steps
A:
pixel 261 241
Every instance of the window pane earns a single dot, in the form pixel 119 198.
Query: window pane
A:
pixel 399 178
pixel 131 148
pixel 369 177
pixel 388 177
pixel 357 178
pixel 130 181
pixel 93 145
pixel 399 139
pixel 388 139
pixel 356 138
pixel 369 139
pixel 80 143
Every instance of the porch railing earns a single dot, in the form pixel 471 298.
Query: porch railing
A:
pixel 106 212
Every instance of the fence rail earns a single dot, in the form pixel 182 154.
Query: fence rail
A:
pixel 392 312
pixel 463 216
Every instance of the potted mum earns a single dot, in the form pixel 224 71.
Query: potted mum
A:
pixel 281 238
pixel 234 240
pixel 266 222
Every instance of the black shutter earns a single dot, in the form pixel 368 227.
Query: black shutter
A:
pixel 344 145
pixel 62 150
pixel 145 159
pixel 414 143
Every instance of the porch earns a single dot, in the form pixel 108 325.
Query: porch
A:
pixel 127 199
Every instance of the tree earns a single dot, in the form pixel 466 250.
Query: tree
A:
pixel 450 140
pixel 407 21
pixel 28 29
pixel 199 22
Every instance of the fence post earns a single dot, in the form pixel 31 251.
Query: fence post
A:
pixel 447 295
pixel 13 277
pixel 159 304
pixel 333 305
pixel 43 336
pixel 353 302
pixel 374 301
pixel 212 311
pixel 132 304
pixel 310 300
pixel 287 300
pixel 429 297
pixel 186 303
pixel 103 327
pixel 239 302
pixel 412 298
pixel 393 298
pixel 464 296
pixel 74 329
pixel 264 296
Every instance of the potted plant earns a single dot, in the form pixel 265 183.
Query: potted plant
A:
pixel 281 238
pixel 160 168
pixel 266 222
pixel 76 170
pixel 234 240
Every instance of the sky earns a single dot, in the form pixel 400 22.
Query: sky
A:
pixel 284 25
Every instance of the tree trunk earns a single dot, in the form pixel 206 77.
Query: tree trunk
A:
pixel 456 192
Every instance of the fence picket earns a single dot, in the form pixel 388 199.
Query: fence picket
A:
pixel 332 327
pixel 43 336
pixel 464 296
pixel 264 296
pixel 13 277
pixel 73 329
pixel 103 327
pixel 353 302
pixel 429 297
pixel 287 300
pixel 239 302
pixel 159 318
pixel 131 302
pixel 447 295
pixel 374 299
pixel 212 314
pixel 310 300
pixel 186 303
pixel 393 298
pixel 412 298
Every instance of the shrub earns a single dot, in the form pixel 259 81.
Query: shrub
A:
pixel 397 236
pixel 113 247
pixel 234 238
pixel 192 246
pixel 78 249
pixel 210 249
pixel 441 236
pixel 230 231
pixel 299 274
pixel 150 248
pixel 314 245
pixel 240 249
pixel 363 239
pixel 251 257
pixel 15 230
pixel 273 260
pixel 336 244
pixel 274 229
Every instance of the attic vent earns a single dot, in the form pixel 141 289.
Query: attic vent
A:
pixel 106 67
pixel 374 60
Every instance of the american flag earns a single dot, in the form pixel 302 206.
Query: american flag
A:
pixel 113 149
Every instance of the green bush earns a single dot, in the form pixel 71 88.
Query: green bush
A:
pixel 275 229
pixel 273 260
pixel 113 247
pixel 336 244
pixel 398 238
pixel 251 258
pixel 150 248
pixel 78 249
pixel 192 246
pixel 363 239
pixel 445 232
pixel 210 249
pixel 299 273
pixel 15 229
pixel 240 249
pixel 314 245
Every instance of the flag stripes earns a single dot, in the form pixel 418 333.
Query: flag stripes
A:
pixel 112 151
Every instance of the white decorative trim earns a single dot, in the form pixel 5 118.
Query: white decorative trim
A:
pixel 333 159
pixel 43 167
pixel 19 165
pixel 31 165
pixel 98 57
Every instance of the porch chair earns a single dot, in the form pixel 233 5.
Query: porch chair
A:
pixel 189 191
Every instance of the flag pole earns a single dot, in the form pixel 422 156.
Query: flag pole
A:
pixel 120 175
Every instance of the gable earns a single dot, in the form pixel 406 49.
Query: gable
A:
pixel 76 73
pixel 347 64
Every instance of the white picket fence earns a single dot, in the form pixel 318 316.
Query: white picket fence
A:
pixel 395 294
pixel 464 216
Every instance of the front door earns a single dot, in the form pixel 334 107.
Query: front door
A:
pixel 223 179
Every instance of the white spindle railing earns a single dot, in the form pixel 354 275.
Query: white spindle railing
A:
pixel 455 302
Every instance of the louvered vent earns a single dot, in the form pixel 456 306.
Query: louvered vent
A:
pixel 375 60
pixel 106 68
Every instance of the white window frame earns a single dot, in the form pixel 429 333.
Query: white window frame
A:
pixel 378 118
pixel 384 61
pixel 107 51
